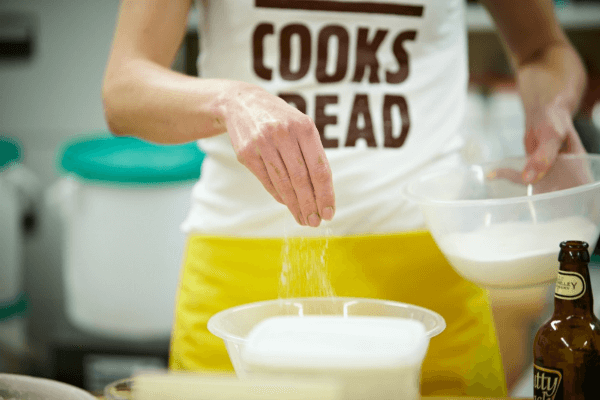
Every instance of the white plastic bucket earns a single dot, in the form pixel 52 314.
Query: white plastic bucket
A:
pixel 11 327
pixel 121 256
pixel 122 252
pixel 18 188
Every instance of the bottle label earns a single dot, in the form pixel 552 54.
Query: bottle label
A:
pixel 569 286
pixel 547 383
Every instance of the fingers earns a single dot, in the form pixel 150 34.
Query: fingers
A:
pixel 270 171
pixel 290 162
pixel 506 173
pixel 309 171
pixel 573 143
pixel 257 166
pixel 546 152
pixel 554 134
pixel 282 147
pixel 319 171
pixel 299 179
pixel 293 184
pixel 542 158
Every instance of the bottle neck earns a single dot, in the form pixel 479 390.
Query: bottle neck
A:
pixel 573 290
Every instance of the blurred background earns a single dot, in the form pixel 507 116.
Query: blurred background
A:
pixel 73 307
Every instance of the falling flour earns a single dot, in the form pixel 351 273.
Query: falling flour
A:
pixel 514 254
pixel 304 270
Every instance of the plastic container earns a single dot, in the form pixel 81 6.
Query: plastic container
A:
pixel 10 229
pixel 33 388
pixel 17 195
pixel 498 232
pixel 235 324
pixel 121 201
pixel 372 357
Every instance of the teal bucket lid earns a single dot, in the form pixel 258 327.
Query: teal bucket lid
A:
pixel 128 160
pixel 10 151
pixel 17 307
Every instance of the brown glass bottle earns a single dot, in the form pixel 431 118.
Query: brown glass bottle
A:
pixel 566 349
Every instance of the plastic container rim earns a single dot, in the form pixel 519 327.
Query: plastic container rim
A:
pixel 503 201
pixel 440 321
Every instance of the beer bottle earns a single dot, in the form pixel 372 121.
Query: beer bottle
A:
pixel 566 349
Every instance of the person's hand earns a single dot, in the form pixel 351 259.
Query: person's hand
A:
pixel 282 147
pixel 549 126
pixel 549 131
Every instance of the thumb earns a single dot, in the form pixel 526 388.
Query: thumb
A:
pixel 554 134
pixel 541 159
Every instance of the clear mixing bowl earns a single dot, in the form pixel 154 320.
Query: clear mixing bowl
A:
pixel 497 231
pixel 234 324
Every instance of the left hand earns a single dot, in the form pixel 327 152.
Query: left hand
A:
pixel 549 131
pixel 549 126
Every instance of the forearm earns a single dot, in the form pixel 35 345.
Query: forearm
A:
pixel 146 100
pixel 546 65
pixel 557 64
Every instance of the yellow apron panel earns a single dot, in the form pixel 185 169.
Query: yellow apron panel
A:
pixel 221 272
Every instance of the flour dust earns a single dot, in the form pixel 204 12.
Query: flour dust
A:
pixel 304 271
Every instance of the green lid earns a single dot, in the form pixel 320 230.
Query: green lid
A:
pixel 17 307
pixel 128 160
pixel 9 151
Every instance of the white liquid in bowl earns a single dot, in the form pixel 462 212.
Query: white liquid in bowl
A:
pixel 514 254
